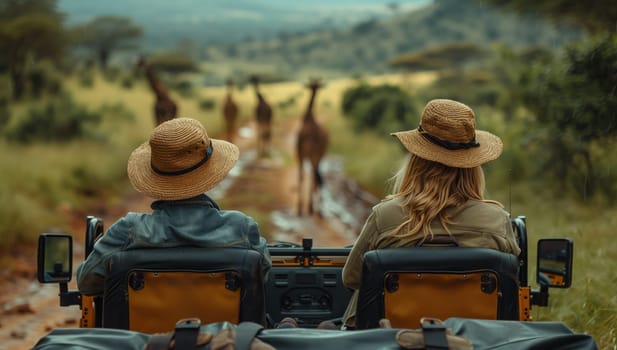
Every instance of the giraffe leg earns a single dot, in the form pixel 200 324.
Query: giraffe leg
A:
pixel 300 186
pixel 316 189
pixel 311 193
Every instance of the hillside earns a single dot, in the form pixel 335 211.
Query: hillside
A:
pixel 222 21
pixel 366 47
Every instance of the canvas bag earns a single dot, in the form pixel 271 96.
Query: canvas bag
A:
pixel 483 334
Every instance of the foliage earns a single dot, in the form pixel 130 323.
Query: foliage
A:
pixel 184 88
pixel 58 120
pixel 371 45
pixel 44 78
pixel 30 30
pixel 474 87
pixel 172 62
pixel 448 55
pixel 575 105
pixel 383 108
pixel 105 35
pixel 596 16
pixel 207 104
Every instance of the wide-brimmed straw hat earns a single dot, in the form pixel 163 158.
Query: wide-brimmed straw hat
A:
pixel 180 161
pixel 447 134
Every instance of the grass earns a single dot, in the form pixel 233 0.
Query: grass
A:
pixel 38 183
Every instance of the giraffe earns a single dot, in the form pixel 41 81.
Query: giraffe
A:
pixel 164 107
pixel 263 115
pixel 230 112
pixel 312 144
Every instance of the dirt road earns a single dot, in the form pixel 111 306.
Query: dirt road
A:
pixel 29 310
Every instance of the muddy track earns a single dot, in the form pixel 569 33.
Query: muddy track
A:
pixel 29 310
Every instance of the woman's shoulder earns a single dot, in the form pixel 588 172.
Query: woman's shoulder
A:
pixel 390 212
pixel 389 204
pixel 485 205
pixel 479 209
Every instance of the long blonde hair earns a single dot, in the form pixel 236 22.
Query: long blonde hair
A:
pixel 428 188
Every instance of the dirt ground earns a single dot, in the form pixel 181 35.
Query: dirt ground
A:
pixel 29 310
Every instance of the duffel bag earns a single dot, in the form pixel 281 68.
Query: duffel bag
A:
pixel 453 333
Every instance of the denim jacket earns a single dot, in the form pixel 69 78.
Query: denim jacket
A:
pixel 196 221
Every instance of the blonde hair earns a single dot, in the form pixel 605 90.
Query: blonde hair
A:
pixel 428 188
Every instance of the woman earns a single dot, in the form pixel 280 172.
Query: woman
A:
pixel 438 194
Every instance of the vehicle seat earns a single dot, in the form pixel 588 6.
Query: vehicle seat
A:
pixel 406 284
pixel 148 290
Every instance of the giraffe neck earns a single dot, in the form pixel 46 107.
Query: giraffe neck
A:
pixel 155 84
pixel 309 109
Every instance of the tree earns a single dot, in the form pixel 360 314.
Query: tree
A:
pixel 30 30
pixel 596 16
pixel 573 99
pixel 105 35
pixel 448 55
pixel 576 106
pixel 173 62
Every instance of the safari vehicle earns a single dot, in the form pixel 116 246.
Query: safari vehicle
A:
pixel 149 289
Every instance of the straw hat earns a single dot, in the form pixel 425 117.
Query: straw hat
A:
pixel 447 134
pixel 180 161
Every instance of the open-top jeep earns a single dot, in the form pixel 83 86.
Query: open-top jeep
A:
pixel 148 290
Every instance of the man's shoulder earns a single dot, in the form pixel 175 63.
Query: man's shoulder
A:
pixel 236 217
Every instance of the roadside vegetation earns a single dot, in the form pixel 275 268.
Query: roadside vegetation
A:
pixel 66 130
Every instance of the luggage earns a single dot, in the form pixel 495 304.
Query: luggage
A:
pixel 483 334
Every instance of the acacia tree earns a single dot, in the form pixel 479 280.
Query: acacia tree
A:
pixel 30 30
pixel 106 34
pixel 448 55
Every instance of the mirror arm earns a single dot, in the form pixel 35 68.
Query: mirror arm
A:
pixel 68 298
pixel 540 297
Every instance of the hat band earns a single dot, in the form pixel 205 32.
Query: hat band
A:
pixel 207 153
pixel 447 144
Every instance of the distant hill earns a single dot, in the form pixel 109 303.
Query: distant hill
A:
pixel 367 47
pixel 205 22
pixel 290 39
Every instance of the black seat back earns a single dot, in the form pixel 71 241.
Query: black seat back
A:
pixel 406 284
pixel 148 290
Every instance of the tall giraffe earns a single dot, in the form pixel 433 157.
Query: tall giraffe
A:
pixel 230 111
pixel 263 115
pixel 312 144
pixel 164 107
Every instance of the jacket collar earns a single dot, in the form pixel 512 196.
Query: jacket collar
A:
pixel 202 199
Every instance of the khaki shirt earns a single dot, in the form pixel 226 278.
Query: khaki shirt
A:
pixel 474 224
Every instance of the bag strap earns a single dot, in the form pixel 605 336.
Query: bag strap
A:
pixel 186 332
pixel 245 332
pixel 434 334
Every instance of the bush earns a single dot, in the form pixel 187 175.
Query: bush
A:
pixel 207 104
pixel 43 78
pixel 184 88
pixel 384 108
pixel 59 120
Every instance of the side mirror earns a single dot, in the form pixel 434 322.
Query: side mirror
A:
pixel 55 258
pixel 554 268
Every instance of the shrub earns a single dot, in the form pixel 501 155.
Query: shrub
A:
pixel 384 108
pixel 58 120
pixel 207 104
